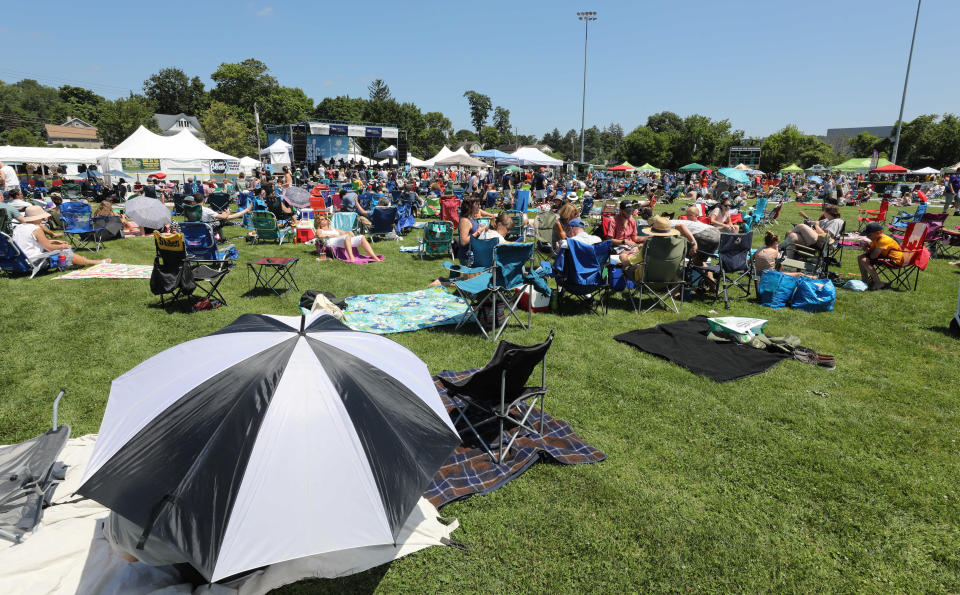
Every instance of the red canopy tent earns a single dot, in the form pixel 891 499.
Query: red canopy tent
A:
pixel 621 167
pixel 890 169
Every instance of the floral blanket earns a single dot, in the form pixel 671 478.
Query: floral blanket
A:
pixel 111 270
pixel 385 313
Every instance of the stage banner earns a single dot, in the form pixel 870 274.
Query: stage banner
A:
pixel 224 166
pixel 325 147
pixel 338 130
pixel 134 164
pixel 373 132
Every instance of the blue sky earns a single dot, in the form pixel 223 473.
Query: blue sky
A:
pixel 762 64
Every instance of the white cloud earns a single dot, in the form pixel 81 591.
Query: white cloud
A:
pixel 267 11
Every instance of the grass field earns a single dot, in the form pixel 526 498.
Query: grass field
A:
pixel 798 479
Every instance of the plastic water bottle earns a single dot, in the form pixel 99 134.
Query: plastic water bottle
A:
pixel 62 261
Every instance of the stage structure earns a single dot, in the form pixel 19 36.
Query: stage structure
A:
pixel 313 141
pixel 749 156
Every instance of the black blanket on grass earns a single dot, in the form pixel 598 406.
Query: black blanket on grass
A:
pixel 685 343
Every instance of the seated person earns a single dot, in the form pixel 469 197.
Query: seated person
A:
pixel 576 231
pixel 501 227
pixel 13 213
pixel 105 209
pixel 720 216
pixel 624 230
pixel 765 258
pixel 632 261
pixel 337 238
pixel 814 232
pixel 31 236
pixel 706 238
pixel 349 204
pixel 880 246
pixel 469 227
pixel 566 213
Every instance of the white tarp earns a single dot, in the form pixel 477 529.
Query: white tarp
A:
pixel 68 553
pixel 534 156
pixel 926 171
pixel 49 155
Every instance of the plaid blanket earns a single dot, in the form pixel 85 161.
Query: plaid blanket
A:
pixel 111 270
pixel 470 470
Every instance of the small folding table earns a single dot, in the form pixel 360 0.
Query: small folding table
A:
pixel 275 274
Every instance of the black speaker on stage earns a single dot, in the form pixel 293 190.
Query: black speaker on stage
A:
pixel 402 149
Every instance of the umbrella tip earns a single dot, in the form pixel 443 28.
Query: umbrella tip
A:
pixel 303 323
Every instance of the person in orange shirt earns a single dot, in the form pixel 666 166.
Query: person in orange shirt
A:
pixel 880 246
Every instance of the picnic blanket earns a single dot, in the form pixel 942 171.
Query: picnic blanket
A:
pixel 470 470
pixel 853 239
pixel 384 313
pixel 358 258
pixel 111 270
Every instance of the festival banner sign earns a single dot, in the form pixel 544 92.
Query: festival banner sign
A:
pixel 134 164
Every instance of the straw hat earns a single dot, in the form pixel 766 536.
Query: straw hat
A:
pixel 34 213
pixel 660 227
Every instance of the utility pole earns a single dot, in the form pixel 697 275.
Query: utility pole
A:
pixel 586 17
pixel 256 120
pixel 903 99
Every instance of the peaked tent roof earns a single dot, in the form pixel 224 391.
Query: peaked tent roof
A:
pixel 414 162
pixel 194 148
pixel 534 156
pixel 793 167
pixel 859 163
pixel 498 156
pixel 625 166
pixel 742 167
pixel 647 167
pixel 441 154
pixel 924 171
pixel 278 146
pixel 463 160
pixel 891 169
pixel 693 167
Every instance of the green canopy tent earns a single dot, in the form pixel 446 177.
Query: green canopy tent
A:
pixel 693 167
pixel 513 168
pixel 859 164
pixel 792 168
pixel 647 167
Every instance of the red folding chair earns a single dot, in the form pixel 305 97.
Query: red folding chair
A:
pixel 873 215
pixel 450 209
pixel 906 275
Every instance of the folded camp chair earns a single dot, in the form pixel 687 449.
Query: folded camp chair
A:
pixel 436 239
pixel 498 392
pixel 502 282
pixel 902 218
pixel 29 474
pixel 873 215
pixel 382 222
pixel 450 209
pixel 267 229
pixel 77 226
pixel 405 219
pixel 178 276
pixel 202 243
pixel 579 274
pixel 219 201
pixel 915 257
pixel 14 261
pixel 662 273
pixel 546 233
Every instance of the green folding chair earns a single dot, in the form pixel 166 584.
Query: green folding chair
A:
pixel 267 229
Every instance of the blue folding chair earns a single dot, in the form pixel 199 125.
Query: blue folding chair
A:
pixel 344 221
pixel 903 218
pixel 579 273
pixel 458 194
pixel 382 221
pixel 478 259
pixel 756 216
pixel 405 220
pixel 523 200
pixel 14 261
pixel 77 226
pixel 502 282
pixel 201 243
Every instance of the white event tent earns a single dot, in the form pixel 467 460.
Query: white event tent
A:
pixel 278 152
pixel 248 164
pixel 414 162
pixel 49 155
pixel 534 156
pixel 441 154
pixel 182 153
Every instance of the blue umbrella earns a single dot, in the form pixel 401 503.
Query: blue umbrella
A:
pixel 816 179
pixel 498 156
pixel 735 174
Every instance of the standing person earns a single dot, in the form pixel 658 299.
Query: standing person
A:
pixel 287 178
pixel 539 186
pixel 10 179
pixel 950 191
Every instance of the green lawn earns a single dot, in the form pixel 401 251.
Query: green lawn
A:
pixel 798 479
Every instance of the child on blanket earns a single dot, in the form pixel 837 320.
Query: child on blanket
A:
pixel 337 238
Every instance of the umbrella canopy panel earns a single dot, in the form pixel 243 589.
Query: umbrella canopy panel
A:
pixel 735 174
pixel 259 444
pixel 693 167
pixel 148 212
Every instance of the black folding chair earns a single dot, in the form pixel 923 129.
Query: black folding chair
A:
pixel 735 268
pixel 492 393
pixel 180 277
pixel 219 201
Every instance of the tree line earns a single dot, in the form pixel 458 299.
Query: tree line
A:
pixel 226 113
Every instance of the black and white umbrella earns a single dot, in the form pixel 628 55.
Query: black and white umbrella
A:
pixel 272 439
pixel 148 212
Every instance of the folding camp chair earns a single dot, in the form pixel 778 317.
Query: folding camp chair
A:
pixel 192 213
pixel 902 218
pixel 756 216
pixel 817 259
pixel 522 200
pixel 771 217
pixel 945 245
pixel 735 267
pixel 267 229
pixel 662 272
pixel 579 273
pixel 546 238
pixel 29 474
pixel 450 209
pixel 517 230
pixel 344 221
pixel 906 275
pixel 202 243
pixel 14 261
pixel 436 239
pixel 498 392
pixel 177 203
pixel 502 282
pixel 78 228
pixel 219 201
pixel 405 219
pixel 873 215
pixel 176 275
pixel 382 221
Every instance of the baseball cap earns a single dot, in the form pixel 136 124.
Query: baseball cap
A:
pixel 576 223
pixel 627 204
pixel 872 227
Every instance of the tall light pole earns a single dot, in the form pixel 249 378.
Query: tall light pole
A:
pixel 903 99
pixel 586 17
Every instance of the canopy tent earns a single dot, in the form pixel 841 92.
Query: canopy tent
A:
pixel 278 152
pixel 648 167
pixel 693 167
pixel 441 154
pixel 461 160
pixel 817 167
pixel 414 162
pixel 388 153
pixel 513 168
pixel 926 171
pixel 735 174
pixel 534 156
pixel 953 168
pixel 248 164
pixel 49 155
pixel 625 166
pixel 144 152
pixel 742 167
pixel 890 169
pixel 859 164
pixel 499 157
pixel 792 169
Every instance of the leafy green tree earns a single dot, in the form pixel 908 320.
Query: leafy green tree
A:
pixel 227 131
pixel 379 91
pixel 789 145
pixel 863 144
pixel 553 138
pixel 464 135
pixel 22 137
pixel 664 122
pixel 643 145
pixel 501 121
pixel 343 108
pixel 78 102
pixel 119 119
pixel 241 84
pixel 489 137
pixel 480 106
pixel 173 92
